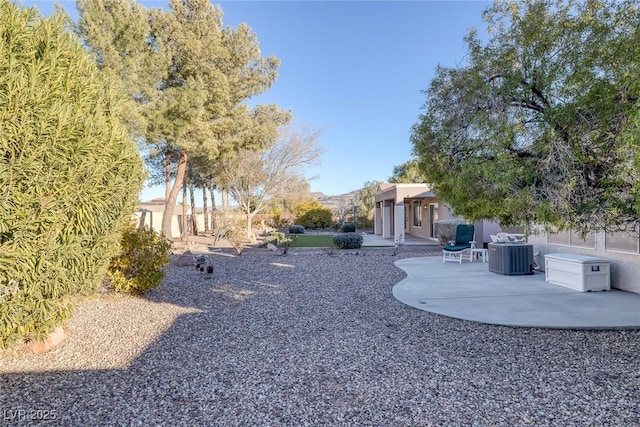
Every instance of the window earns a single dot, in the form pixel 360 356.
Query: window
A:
pixel 561 238
pixel 417 213
pixel 571 238
pixel 621 241
pixel 588 241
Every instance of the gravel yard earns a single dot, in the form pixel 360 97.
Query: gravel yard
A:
pixel 312 338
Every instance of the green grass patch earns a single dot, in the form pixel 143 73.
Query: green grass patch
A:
pixel 312 241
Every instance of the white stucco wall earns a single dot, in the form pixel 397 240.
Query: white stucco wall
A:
pixel 377 226
pixel 386 221
pixel 157 222
pixel 625 267
pixel 399 224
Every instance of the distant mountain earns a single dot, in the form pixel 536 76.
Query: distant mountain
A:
pixel 339 201
pixel 318 195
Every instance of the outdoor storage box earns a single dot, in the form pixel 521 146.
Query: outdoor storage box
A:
pixel 580 272
pixel 510 259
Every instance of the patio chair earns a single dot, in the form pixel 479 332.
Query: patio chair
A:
pixel 456 249
pixel 511 238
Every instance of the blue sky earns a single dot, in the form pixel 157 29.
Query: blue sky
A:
pixel 353 69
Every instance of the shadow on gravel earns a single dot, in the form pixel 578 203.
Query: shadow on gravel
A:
pixel 318 339
pixel 191 374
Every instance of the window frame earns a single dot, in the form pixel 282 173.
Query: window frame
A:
pixel 416 206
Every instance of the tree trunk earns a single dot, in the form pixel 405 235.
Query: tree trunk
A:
pixel 205 208
pixel 185 224
pixel 143 217
pixel 212 188
pixel 249 228
pixel 170 202
pixel 194 220
pixel 224 196
pixel 167 177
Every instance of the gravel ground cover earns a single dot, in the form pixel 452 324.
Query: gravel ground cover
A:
pixel 312 338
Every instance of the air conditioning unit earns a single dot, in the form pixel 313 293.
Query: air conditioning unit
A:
pixel 510 259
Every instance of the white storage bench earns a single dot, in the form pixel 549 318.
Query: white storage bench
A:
pixel 580 272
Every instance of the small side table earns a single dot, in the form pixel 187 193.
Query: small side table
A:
pixel 478 251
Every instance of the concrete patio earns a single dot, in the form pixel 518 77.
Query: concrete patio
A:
pixel 469 291
pixel 376 240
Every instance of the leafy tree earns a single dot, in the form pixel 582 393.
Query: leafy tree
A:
pixel 540 126
pixel 346 205
pixel 295 192
pixel 116 33
pixel 69 170
pixel 253 177
pixel 408 172
pixel 367 199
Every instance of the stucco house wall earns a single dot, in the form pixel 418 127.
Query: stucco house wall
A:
pixel 153 211
pixel 411 209
pixel 484 230
pixel 625 265
pixel 396 204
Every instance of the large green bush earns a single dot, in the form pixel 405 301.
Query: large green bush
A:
pixel 69 172
pixel 316 218
pixel 138 267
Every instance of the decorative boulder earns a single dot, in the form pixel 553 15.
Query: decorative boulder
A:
pixel 185 260
pixel 272 247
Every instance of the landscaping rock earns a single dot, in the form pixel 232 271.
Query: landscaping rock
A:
pixel 185 260
pixel 315 339
pixel 272 247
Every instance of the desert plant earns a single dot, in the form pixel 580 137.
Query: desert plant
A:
pixel 296 229
pixel 238 239
pixel 69 171
pixel 348 227
pixel 223 222
pixel 348 240
pixel 138 267
pixel 271 238
pixel 276 238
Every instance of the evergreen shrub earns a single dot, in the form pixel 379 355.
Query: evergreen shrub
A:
pixel 296 229
pixel 348 240
pixel 69 172
pixel 138 267
pixel 348 227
